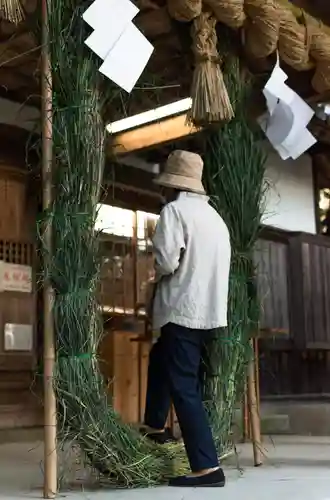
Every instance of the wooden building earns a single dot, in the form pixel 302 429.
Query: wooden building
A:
pixel 292 257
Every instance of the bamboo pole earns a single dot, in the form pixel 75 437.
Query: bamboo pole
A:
pixel 257 370
pixel 135 250
pixel 50 448
pixel 245 417
pixel 253 412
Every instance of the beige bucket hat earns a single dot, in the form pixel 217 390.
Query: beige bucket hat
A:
pixel 183 170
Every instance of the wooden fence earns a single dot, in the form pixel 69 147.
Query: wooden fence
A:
pixel 294 289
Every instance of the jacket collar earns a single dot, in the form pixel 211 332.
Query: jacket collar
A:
pixel 189 194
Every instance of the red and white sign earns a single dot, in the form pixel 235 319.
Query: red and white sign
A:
pixel 15 278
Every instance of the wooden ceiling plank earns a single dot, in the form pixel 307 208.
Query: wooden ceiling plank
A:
pixel 124 174
pixel 131 201
pixel 154 23
pixel 150 135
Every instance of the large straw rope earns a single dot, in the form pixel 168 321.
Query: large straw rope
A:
pixel 181 10
pixel 302 41
pixel 11 10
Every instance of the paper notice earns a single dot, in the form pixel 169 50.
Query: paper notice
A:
pixel 18 337
pixel 279 123
pixel 100 43
pixel 109 18
pixel 287 118
pixel 15 278
pixel 304 141
pixel 128 58
pixel 112 14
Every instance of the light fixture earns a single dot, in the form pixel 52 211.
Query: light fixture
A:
pixel 322 111
pixel 150 116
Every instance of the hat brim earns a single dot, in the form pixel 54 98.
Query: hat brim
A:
pixel 179 182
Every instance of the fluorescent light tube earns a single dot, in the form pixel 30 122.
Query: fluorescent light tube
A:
pixel 149 116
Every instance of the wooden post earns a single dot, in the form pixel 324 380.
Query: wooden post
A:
pixel 256 370
pixel 50 445
pixel 134 254
pixel 245 417
pixel 253 412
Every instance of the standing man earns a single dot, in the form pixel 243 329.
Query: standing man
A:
pixel 192 261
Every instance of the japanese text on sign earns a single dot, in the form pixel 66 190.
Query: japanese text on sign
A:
pixel 15 278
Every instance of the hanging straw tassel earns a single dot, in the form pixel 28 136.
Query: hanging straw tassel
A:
pixel 11 10
pixel 211 103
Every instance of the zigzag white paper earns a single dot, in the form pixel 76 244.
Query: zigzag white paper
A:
pixel 287 118
pixel 123 48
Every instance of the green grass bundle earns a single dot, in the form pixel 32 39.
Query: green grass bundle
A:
pixel 234 178
pixel 86 416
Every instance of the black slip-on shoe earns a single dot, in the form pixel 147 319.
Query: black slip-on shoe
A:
pixel 215 479
pixel 161 437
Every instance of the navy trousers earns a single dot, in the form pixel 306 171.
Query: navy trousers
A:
pixel 174 375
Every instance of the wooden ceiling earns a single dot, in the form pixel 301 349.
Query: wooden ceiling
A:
pixel 167 76
pixel 168 73
pixel 19 58
pixel 317 8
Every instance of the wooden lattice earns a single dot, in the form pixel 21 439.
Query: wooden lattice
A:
pixel 16 252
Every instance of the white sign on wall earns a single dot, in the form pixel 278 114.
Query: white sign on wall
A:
pixel 290 203
pixel 15 278
pixel 18 337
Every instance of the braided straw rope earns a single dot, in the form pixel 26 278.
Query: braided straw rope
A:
pixel 11 10
pixel 302 41
pixel 209 94
pixel 181 10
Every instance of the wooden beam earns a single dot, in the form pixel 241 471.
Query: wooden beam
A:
pixel 317 8
pixel 147 5
pixel 13 79
pixel 20 48
pixel 128 175
pixel 131 200
pixel 150 135
pixel 321 164
pixel 137 190
pixel 155 22
pixel 130 187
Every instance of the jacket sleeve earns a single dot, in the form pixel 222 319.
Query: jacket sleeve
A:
pixel 168 242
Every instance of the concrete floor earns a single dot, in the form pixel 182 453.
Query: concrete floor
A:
pixel 294 468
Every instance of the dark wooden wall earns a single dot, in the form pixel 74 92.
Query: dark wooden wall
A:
pixel 310 264
pixel 271 259
pixel 293 275
pixel 293 278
